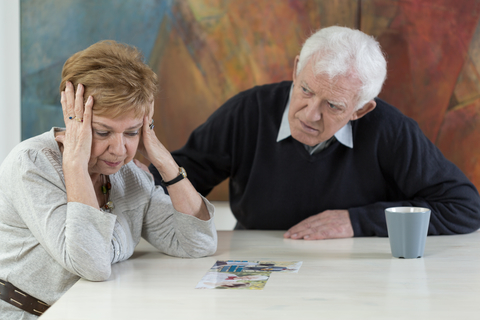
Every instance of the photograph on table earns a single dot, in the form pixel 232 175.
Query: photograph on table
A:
pixel 256 266
pixel 244 274
pixel 234 280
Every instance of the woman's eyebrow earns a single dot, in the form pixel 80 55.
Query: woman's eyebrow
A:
pixel 110 128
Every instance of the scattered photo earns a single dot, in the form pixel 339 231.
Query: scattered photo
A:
pixel 257 266
pixel 233 280
pixel 243 274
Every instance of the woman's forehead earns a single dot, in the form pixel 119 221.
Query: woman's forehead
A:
pixel 121 122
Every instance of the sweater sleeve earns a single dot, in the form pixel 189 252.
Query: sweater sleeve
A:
pixel 420 176
pixel 77 236
pixel 176 233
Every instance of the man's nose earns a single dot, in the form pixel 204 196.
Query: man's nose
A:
pixel 313 111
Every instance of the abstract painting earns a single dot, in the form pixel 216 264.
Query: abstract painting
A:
pixel 206 51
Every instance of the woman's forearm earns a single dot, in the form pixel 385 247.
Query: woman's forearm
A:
pixel 185 198
pixel 79 186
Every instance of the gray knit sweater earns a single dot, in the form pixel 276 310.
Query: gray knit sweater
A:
pixel 47 244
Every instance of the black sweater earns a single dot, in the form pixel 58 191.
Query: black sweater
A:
pixel 275 185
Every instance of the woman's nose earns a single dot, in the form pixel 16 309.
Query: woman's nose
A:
pixel 117 145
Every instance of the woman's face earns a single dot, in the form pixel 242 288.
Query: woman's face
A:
pixel 114 142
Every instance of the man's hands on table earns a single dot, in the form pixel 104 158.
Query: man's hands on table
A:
pixel 328 224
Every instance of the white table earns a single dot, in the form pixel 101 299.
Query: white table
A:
pixel 353 278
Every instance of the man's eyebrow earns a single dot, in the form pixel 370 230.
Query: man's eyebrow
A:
pixel 110 128
pixel 304 84
pixel 338 103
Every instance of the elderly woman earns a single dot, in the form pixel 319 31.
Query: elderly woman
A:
pixel 72 202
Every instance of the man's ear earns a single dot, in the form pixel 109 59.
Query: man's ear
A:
pixel 369 106
pixel 295 65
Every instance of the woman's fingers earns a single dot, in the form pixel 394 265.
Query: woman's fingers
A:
pixel 60 137
pixel 152 149
pixel 79 108
pixel 87 114
pixel 143 138
pixel 63 101
pixel 69 100
pixel 77 141
pixel 74 112
pixel 149 142
pixel 72 103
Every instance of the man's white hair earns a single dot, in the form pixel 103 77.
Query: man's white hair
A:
pixel 341 51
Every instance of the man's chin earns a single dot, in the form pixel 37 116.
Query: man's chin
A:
pixel 306 139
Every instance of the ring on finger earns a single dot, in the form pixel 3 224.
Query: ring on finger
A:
pixel 71 118
pixel 79 119
pixel 151 126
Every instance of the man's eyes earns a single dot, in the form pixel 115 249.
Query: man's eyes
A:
pixel 332 106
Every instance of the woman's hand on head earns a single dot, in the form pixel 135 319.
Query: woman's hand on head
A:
pixel 185 198
pixel 77 146
pixel 77 141
pixel 154 151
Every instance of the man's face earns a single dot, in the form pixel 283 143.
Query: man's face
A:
pixel 319 107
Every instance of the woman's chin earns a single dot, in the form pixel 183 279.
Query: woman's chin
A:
pixel 106 169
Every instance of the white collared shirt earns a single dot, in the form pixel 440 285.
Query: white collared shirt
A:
pixel 344 135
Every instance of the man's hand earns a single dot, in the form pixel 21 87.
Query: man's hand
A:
pixel 328 224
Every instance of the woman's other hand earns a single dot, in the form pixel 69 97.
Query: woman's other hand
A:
pixel 184 197
pixel 155 152
pixel 77 145
pixel 77 140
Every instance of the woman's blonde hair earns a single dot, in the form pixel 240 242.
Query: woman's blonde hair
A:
pixel 115 75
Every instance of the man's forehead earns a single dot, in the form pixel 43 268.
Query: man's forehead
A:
pixel 348 80
pixel 335 85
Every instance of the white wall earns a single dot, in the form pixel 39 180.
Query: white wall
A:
pixel 10 129
pixel 224 219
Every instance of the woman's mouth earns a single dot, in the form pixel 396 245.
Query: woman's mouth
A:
pixel 112 164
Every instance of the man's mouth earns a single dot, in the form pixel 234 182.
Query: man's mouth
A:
pixel 307 128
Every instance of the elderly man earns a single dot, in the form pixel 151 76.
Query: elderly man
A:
pixel 321 157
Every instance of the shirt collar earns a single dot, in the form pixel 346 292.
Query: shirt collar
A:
pixel 344 135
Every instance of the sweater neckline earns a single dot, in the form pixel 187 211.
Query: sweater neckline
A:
pixel 316 156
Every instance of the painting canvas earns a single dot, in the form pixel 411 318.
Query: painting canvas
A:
pixel 205 51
